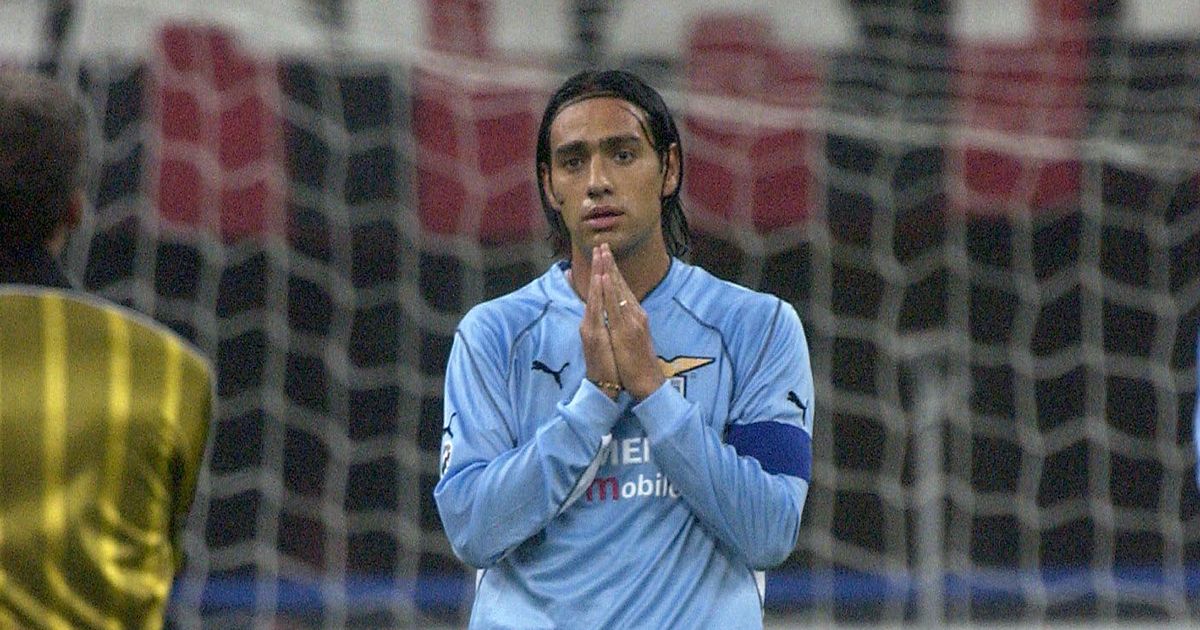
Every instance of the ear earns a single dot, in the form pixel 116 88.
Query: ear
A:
pixel 74 214
pixel 548 187
pixel 671 164
pixel 71 218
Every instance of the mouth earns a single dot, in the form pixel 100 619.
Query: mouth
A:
pixel 602 217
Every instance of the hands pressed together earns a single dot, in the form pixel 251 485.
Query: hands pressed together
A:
pixel 616 333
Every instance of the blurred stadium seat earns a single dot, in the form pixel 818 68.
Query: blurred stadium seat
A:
pixel 476 135
pixel 750 174
pixel 1017 68
pixel 220 147
pixel 475 174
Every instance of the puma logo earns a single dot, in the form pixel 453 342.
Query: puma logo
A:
pixel 557 374
pixel 447 445
pixel 796 401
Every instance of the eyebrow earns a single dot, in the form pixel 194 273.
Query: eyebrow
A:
pixel 610 142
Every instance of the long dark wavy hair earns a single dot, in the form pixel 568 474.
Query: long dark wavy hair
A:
pixel 663 133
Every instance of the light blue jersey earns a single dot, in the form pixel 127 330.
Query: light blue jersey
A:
pixel 584 512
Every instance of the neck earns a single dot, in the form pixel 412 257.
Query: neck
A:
pixel 642 271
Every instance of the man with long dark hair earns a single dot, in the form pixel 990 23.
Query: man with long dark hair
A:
pixel 627 439
pixel 103 413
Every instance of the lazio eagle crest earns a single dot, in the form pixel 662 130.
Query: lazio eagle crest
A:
pixel 675 369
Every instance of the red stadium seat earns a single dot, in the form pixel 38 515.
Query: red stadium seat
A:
pixel 729 54
pixel 475 139
pixel 459 26
pixel 739 171
pixel 1031 86
pixel 219 162
pixel 475 156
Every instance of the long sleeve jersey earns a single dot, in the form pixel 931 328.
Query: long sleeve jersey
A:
pixel 585 512
pixel 104 418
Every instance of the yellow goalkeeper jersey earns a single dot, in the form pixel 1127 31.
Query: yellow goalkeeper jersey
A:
pixel 104 416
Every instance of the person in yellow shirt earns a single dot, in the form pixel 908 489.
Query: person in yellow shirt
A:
pixel 104 413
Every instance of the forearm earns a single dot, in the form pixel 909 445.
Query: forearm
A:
pixel 751 511
pixel 490 505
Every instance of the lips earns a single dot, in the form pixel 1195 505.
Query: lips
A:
pixel 602 217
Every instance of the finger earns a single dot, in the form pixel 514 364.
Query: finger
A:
pixel 623 293
pixel 597 261
pixel 611 299
pixel 593 308
pixel 611 267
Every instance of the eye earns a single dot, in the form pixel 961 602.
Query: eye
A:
pixel 624 155
pixel 571 163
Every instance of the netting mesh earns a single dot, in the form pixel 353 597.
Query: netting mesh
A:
pixel 994 247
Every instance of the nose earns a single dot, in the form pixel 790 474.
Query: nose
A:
pixel 598 181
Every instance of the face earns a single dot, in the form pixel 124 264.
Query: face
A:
pixel 606 180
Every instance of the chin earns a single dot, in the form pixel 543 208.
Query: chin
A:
pixel 600 238
pixel 619 247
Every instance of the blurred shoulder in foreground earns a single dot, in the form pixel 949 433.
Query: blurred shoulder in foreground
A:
pixel 104 413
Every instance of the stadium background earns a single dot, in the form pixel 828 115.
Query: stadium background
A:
pixel 984 210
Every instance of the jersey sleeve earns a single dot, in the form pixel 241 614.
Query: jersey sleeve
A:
pixel 496 490
pixel 747 487
pixel 198 393
pixel 1196 418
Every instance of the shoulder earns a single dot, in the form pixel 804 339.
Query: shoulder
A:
pixel 731 307
pixel 144 333
pixel 503 319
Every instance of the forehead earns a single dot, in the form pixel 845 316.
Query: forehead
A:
pixel 597 118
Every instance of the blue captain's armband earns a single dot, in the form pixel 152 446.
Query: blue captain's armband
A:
pixel 780 448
